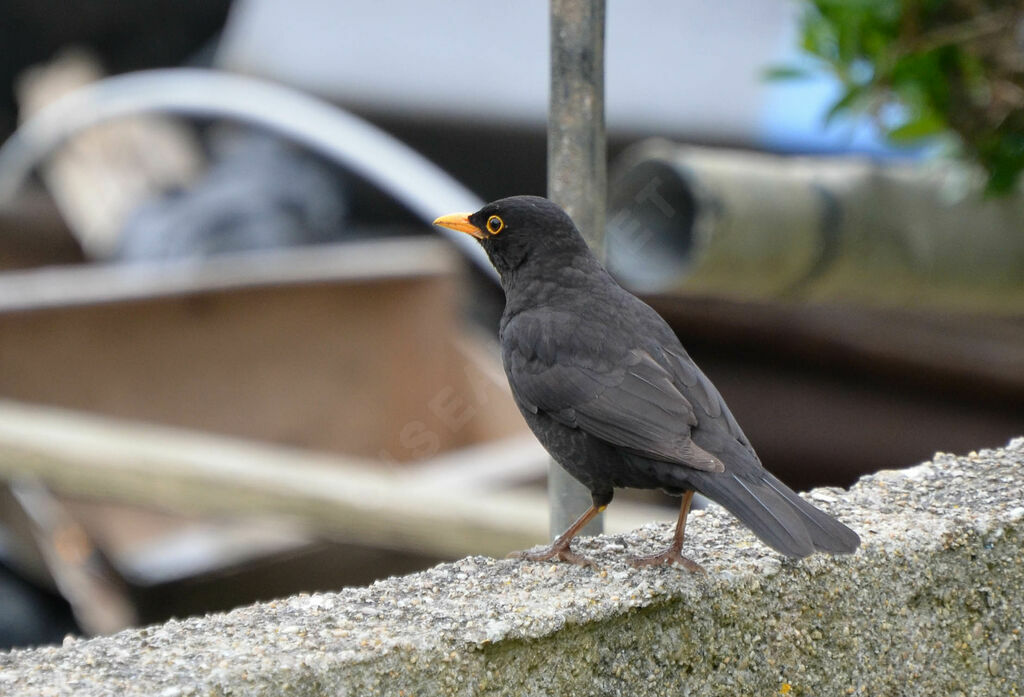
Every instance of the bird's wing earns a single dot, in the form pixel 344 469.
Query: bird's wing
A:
pixel 704 395
pixel 616 392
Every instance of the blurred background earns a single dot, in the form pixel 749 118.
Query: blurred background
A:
pixel 236 361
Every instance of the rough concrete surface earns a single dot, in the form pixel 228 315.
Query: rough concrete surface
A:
pixel 933 604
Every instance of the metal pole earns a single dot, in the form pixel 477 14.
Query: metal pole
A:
pixel 577 179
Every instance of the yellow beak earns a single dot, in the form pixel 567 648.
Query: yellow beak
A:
pixel 460 222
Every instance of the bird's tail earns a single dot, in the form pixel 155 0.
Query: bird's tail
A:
pixel 776 514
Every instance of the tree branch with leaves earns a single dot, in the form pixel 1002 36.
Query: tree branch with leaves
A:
pixel 928 67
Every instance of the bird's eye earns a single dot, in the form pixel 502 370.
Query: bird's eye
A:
pixel 495 224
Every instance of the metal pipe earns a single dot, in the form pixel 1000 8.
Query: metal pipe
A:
pixel 754 226
pixel 577 178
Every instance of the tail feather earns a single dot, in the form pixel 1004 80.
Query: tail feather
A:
pixel 829 534
pixel 776 514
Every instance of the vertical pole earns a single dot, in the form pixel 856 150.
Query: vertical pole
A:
pixel 577 180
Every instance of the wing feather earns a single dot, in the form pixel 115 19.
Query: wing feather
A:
pixel 629 399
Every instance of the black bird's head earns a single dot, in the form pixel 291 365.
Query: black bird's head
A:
pixel 520 231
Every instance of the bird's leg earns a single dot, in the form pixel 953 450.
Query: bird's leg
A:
pixel 674 552
pixel 559 549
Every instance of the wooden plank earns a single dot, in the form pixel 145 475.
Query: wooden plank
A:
pixel 354 348
pixel 199 474
pixel 32 233
pixel 979 353
pixel 351 262
pixel 491 465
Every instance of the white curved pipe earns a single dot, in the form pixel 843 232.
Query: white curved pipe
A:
pixel 423 187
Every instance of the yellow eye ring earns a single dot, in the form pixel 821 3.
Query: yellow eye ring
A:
pixel 495 225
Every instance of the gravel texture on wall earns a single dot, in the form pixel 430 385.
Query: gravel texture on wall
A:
pixel 933 603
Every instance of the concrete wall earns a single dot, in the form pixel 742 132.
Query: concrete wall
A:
pixel 932 605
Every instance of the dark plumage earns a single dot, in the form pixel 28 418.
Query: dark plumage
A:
pixel 610 392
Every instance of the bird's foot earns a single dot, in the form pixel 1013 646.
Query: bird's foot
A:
pixel 672 555
pixel 558 552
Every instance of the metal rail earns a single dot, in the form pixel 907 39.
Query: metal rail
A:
pixel 577 178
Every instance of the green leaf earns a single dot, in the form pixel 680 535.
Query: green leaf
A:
pixel 916 129
pixel 1002 180
pixel 819 38
pixel 785 72
pixel 885 55
pixel 848 102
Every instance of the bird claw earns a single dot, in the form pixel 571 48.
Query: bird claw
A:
pixel 669 556
pixel 554 552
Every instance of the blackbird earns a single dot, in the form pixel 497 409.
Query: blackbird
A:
pixel 611 394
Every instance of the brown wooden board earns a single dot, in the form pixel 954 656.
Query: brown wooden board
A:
pixel 352 349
